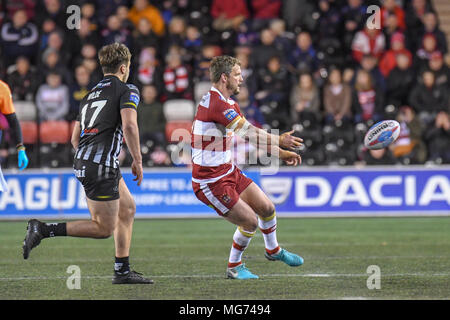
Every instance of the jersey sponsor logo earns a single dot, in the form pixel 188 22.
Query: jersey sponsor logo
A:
pixel 102 85
pixel 134 97
pixel 230 114
pixel 132 87
pixel 89 132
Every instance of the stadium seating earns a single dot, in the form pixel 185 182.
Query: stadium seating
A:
pixel 55 143
pixel 179 110
pixel 25 110
pixel 178 131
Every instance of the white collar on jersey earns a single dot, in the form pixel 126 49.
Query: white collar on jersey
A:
pixel 229 100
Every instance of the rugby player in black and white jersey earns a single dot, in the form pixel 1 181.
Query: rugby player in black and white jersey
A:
pixel 107 114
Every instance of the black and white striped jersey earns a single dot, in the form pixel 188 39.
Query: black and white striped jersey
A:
pixel 101 124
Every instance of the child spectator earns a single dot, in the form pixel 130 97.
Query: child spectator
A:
pixel 52 98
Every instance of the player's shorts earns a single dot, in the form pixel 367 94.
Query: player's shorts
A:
pixel 100 183
pixel 223 194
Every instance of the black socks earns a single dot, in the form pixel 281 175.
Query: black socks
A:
pixel 53 229
pixel 122 265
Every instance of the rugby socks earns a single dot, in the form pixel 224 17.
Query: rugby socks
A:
pixel 268 227
pixel 50 230
pixel 122 266
pixel 241 239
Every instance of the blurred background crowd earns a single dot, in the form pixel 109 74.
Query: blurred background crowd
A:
pixel 312 66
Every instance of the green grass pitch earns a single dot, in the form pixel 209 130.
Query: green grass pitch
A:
pixel 187 260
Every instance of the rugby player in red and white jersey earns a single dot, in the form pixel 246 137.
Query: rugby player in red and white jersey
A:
pixel 217 181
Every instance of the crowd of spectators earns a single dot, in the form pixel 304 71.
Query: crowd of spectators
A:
pixel 317 67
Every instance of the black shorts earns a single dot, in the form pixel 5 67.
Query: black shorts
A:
pixel 100 183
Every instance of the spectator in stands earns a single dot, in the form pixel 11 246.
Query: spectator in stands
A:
pixel 143 9
pixel 88 12
pixel 284 40
pixel 368 41
pixel 263 12
pixel 440 69
pixel 422 56
pixel 414 17
pixel 19 37
pixel 427 98
pixel 51 63
pixel 228 14
pixel 249 108
pixel 400 81
pixel 409 147
pixel 353 19
pixel 192 43
pixel 201 64
pixel 78 91
pixel 437 137
pixel 391 7
pixel 328 22
pixel 378 157
pixel 177 82
pixel 389 61
pixel 305 99
pixel 115 32
pixel 176 34
pixel 367 102
pixel 304 56
pixel 12 6
pixel 52 98
pixel 299 19
pixel 431 26
pixel 56 42
pixel 107 8
pixel 144 36
pixel 23 80
pixel 272 84
pixel 261 54
pixel 122 13
pixel 151 119
pixel 391 28
pixel 369 63
pixel 337 98
pixel 148 71
pixel 52 9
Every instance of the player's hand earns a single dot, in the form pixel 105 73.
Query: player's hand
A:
pixel 289 142
pixel 22 159
pixel 136 170
pixel 291 158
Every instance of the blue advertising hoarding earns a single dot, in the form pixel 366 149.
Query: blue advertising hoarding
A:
pixel 308 191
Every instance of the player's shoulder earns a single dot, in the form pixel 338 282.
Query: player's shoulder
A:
pixel 4 87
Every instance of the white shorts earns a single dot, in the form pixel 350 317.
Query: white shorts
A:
pixel 3 186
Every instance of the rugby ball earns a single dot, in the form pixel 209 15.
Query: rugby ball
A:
pixel 382 134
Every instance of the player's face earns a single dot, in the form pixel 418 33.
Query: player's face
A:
pixel 234 80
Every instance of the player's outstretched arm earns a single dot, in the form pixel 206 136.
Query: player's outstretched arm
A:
pixel 261 138
pixel 131 134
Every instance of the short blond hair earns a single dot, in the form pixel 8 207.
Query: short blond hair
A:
pixel 112 56
pixel 222 64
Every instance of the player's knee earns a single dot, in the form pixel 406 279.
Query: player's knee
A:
pixel 128 211
pixel 105 231
pixel 251 225
pixel 267 210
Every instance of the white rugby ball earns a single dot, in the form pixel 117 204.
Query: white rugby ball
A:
pixel 382 134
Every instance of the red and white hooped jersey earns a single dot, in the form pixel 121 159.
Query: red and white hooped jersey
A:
pixel 213 129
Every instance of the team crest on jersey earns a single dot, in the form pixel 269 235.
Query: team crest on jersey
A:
pixel 134 97
pixel 230 114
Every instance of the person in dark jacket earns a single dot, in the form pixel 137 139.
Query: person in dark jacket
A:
pixel 400 82
pixel 427 98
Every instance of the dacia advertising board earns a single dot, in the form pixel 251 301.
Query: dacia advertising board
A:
pixel 311 192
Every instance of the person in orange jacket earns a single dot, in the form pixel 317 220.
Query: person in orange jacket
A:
pixel 7 109
pixel 143 9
